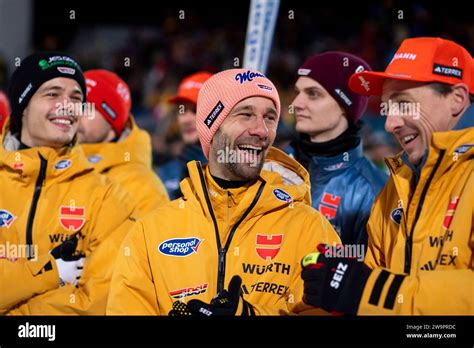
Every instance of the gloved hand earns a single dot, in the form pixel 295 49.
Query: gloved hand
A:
pixel 333 283
pixel 69 262
pixel 227 303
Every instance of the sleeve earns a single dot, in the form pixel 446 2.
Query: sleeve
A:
pixel 35 276
pixel 449 292
pixel 115 217
pixel 374 255
pixel 321 232
pixel 132 291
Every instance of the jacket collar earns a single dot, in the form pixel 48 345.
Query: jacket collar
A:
pixel 283 181
pixel 338 162
pixel 134 146
pixel 23 165
pixel 447 151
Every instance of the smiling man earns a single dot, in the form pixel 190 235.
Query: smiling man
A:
pixel 68 218
pixel 232 244
pixel 420 257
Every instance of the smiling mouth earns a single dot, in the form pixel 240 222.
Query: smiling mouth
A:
pixel 62 122
pixel 408 138
pixel 251 149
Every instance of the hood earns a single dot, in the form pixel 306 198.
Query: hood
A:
pixel 133 146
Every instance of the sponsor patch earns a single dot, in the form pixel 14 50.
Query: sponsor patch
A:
pixel 463 149
pixel 63 164
pixel 359 69
pixel 304 72
pixel 448 217
pixel 72 218
pixel 268 246
pixel 64 70
pixel 94 159
pixel 396 215
pixel 282 195
pixel 216 111
pixel 180 247
pixel 343 96
pixel 247 76
pixel 449 71
pixel 264 87
pixel 6 218
pixel 185 292
pixel 108 110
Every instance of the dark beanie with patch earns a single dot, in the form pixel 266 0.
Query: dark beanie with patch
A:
pixel 333 71
pixel 35 70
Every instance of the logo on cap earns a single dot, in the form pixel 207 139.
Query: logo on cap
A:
pixel 403 55
pixel 443 70
pixel 69 71
pixel 247 76
pixel 343 96
pixel 304 72
pixel 214 114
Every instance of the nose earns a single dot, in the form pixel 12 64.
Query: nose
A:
pixel 259 128
pixel 392 123
pixel 297 103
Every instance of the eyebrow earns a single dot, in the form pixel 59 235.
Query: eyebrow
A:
pixel 59 88
pixel 249 108
pixel 397 95
pixel 308 89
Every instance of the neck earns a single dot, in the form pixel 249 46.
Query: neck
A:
pixel 345 141
pixel 330 134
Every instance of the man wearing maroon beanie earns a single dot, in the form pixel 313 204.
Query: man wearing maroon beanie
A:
pixel 343 182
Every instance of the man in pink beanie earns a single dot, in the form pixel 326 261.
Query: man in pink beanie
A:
pixel 232 244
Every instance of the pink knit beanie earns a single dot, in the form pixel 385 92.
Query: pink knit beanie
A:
pixel 221 92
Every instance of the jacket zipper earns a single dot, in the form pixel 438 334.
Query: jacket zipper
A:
pixel 409 241
pixel 222 251
pixel 34 202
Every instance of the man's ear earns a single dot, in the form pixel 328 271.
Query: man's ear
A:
pixel 459 99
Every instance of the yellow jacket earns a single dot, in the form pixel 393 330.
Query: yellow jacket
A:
pixel 47 195
pixel 262 231
pixel 128 161
pixel 424 234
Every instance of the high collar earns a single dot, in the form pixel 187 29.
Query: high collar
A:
pixel 338 162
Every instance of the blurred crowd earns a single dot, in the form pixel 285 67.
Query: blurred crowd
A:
pixel 153 58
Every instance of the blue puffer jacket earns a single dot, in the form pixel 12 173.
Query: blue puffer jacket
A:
pixel 171 173
pixel 343 188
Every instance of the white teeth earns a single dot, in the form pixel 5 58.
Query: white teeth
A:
pixel 408 138
pixel 250 147
pixel 62 121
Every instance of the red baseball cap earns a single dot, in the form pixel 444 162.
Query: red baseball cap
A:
pixel 4 109
pixel 422 59
pixel 189 88
pixel 110 95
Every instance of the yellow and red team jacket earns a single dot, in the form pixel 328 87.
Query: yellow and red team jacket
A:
pixel 46 196
pixel 423 234
pixel 129 162
pixel 193 246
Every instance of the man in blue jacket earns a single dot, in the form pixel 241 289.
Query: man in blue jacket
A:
pixel 343 182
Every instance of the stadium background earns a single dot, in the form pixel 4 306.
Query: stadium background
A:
pixel 162 48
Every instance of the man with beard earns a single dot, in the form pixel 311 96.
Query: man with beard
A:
pixel 172 172
pixel 232 244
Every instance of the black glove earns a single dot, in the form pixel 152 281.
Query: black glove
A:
pixel 226 303
pixel 333 283
pixel 68 262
